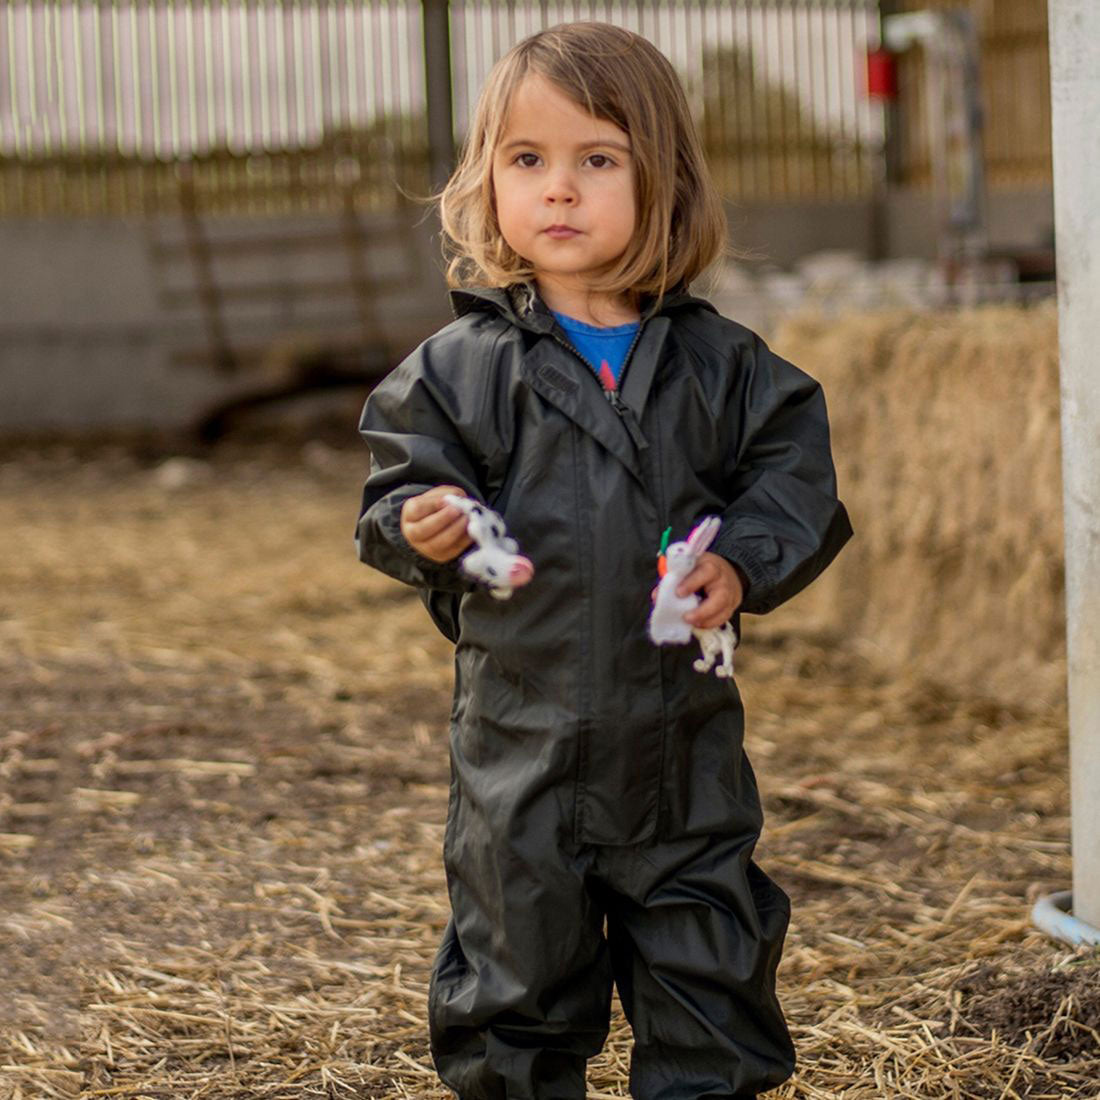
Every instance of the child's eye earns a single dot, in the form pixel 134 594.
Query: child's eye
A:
pixel 528 160
pixel 600 160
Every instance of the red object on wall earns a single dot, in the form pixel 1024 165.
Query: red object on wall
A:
pixel 882 74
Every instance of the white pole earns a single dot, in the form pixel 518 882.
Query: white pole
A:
pixel 1075 101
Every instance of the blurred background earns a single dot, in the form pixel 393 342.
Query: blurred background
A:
pixel 223 757
pixel 201 203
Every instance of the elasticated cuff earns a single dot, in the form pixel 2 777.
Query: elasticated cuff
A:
pixel 756 600
pixel 444 576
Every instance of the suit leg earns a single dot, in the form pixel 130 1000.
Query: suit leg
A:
pixel 521 990
pixel 696 934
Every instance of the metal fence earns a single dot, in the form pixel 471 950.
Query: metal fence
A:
pixel 277 104
pixel 266 106
pixel 1015 67
pixel 271 105
pixel 167 80
pixel 776 85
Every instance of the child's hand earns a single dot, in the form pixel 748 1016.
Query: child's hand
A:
pixel 434 529
pixel 722 587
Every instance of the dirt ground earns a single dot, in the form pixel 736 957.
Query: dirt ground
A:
pixel 223 776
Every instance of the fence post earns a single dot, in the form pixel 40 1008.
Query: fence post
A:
pixel 892 149
pixel 437 74
pixel 1075 102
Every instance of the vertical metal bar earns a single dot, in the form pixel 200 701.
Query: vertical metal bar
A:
pixel 7 61
pixel 59 62
pixel 246 76
pixel 469 57
pixel 399 51
pixel 788 103
pixel 209 90
pixel 855 171
pixel 154 78
pixel 459 74
pixel 715 118
pixel 13 83
pixel 662 27
pixel 418 78
pixel 78 78
pixel 748 108
pixel 135 76
pixel 806 124
pixel 193 143
pixel 876 109
pixel 493 20
pixel 760 101
pixel 693 14
pixel 820 130
pixel 834 101
pixel 264 77
pixel 742 107
pixel 705 100
pixel 100 94
pixel 474 13
pixel 32 77
pixel 282 90
pixel 380 62
pixel 803 124
pixel 335 99
pixel 376 94
pixel 843 58
pixel 47 69
pixel 173 84
pixel 511 24
pixel 299 136
pixel 116 78
pixel 355 108
pixel 437 68
pixel 228 89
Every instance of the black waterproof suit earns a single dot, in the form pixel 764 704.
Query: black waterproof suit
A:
pixel 595 776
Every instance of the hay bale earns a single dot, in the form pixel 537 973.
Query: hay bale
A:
pixel 946 436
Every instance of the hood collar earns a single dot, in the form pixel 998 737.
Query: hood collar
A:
pixel 521 304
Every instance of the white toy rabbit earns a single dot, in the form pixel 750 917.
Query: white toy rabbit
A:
pixel 497 560
pixel 666 621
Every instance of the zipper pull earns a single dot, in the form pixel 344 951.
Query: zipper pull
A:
pixel 626 415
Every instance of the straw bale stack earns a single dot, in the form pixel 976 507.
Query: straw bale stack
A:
pixel 946 435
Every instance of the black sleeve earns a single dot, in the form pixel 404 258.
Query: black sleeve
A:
pixel 421 426
pixel 443 609
pixel 784 523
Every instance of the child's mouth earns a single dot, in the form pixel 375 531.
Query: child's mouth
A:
pixel 561 232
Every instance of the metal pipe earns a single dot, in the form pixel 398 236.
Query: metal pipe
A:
pixel 437 77
pixel 1075 103
pixel 1051 915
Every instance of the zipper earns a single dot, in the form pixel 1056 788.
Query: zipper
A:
pixel 630 421
pixel 626 413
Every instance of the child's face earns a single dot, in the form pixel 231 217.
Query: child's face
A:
pixel 564 186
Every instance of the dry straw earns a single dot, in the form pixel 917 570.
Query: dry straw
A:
pixel 946 433
pixel 223 771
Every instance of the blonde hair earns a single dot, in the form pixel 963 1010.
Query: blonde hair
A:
pixel 620 77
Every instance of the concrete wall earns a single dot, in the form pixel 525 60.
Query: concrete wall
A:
pixel 100 326
pixel 904 225
pixel 1014 219
pixel 95 315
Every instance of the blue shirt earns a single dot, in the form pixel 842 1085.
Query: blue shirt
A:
pixel 605 349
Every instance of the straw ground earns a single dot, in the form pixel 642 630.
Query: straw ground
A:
pixel 223 779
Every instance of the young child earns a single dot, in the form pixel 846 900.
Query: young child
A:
pixel 602 812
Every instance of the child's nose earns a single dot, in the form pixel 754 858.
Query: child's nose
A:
pixel 561 188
